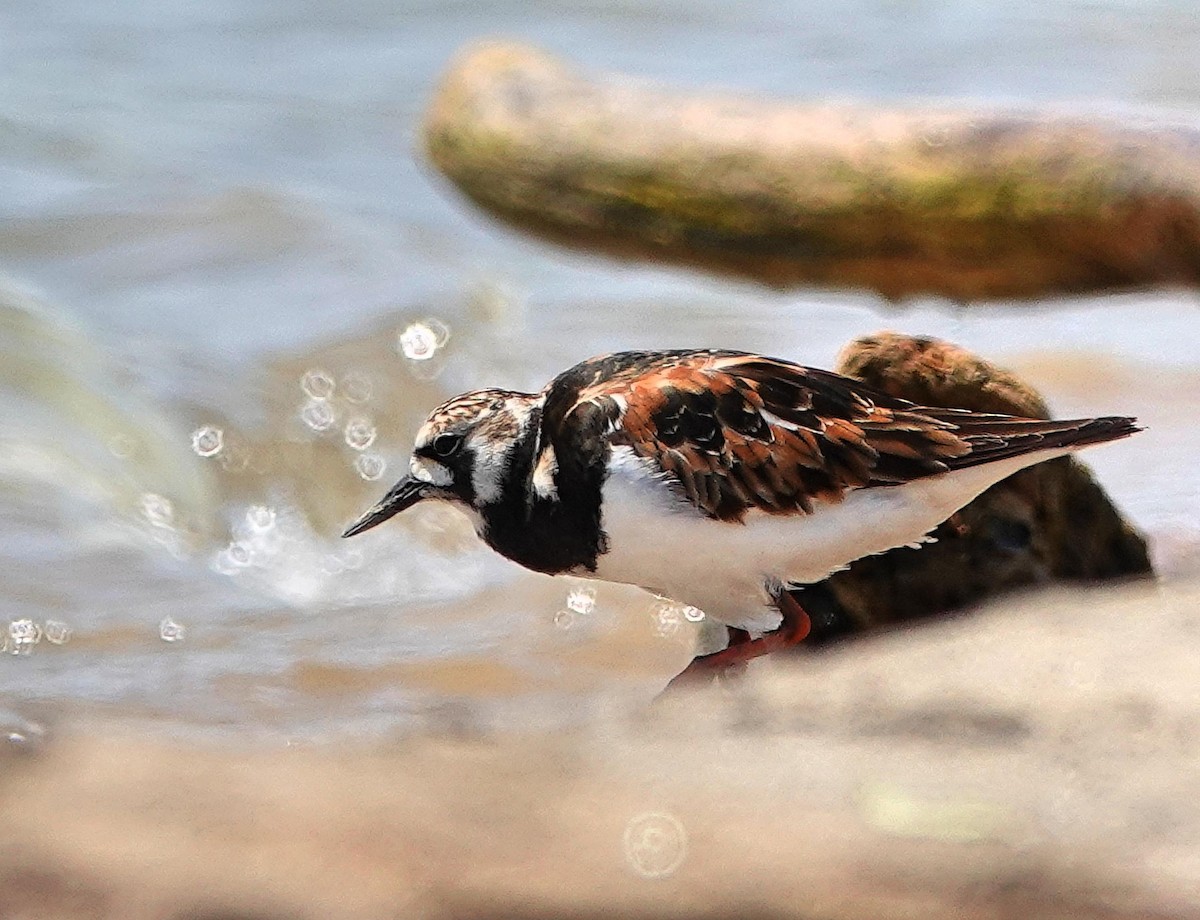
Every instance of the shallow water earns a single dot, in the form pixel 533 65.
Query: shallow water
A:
pixel 215 232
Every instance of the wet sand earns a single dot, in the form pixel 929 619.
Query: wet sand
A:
pixel 1034 759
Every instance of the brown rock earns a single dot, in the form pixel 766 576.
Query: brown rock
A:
pixel 1049 522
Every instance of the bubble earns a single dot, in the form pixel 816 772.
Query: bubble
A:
pixel 332 565
pixel 260 518
pixel 208 441
pixel 692 614
pixel 360 433
pixel 170 631
pixel 420 341
pixel 370 466
pixel 318 384
pixel 317 415
pixel 158 510
pixel 23 635
pixel 357 388
pixel 655 844
pixel 582 601
pixel 58 632
pixel 564 619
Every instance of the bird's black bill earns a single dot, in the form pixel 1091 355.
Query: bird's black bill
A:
pixel 404 494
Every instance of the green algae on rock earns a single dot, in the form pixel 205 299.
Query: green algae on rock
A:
pixel 903 201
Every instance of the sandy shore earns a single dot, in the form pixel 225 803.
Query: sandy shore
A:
pixel 1036 759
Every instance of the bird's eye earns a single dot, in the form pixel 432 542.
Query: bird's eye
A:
pixel 446 445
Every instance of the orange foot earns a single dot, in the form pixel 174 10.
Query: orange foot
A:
pixel 793 630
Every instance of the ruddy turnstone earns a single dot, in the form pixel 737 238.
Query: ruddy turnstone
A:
pixel 715 478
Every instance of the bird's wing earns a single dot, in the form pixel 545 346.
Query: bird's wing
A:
pixel 734 432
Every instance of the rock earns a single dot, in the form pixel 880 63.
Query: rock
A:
pixel 963 203
pixel 1048 522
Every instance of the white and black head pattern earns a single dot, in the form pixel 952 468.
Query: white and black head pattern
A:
pixel 467 446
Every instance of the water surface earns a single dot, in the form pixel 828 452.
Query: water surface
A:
pixel 215 227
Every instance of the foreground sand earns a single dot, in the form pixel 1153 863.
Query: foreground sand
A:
pixel 1038 759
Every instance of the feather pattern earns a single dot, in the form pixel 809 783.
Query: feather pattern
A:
pixel 734 432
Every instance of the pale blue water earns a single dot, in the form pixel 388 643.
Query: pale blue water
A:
pixel 200 201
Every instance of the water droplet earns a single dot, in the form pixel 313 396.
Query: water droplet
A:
pixel 260 518
pixel 332 565
pixel 357 388
pixel 420 341
pixel 692 614
pixel 655 844
pixel 158 510
pixel 360 433
pixel 370 466
pixel 668 619
pixel 582 601
pixel 564 619
pixel 317 415
pixel 208 441
pixel 239 554
pixel 23 635
pixel 170 631
pixel 58 632
pixel 317 383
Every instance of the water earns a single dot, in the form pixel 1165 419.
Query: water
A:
pixel 231 289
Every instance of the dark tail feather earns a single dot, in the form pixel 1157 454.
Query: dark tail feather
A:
pixel 998 437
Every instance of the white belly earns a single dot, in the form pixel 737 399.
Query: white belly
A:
pixel 728 570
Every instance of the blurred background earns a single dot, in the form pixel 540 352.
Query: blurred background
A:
pixel 230 288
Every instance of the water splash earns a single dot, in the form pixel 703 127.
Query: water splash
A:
pixel 370 466
pixel 158 510
pixel 171 631
pixel 655 844
pixel 357 388
pixel 58 632
pixel 260 518
pixel 582 601
pixel 421 340
pixel 23 635
pixel 208 441
pixel 318 383
pixel 360 433
pixel 318 415
pixel 668 618
pixel 237 555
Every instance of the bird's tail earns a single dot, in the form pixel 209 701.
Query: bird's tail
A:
pixel 998 437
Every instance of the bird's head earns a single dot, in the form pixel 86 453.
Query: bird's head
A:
pixel 461 454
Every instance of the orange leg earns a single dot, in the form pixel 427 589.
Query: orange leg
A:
pixel 742 648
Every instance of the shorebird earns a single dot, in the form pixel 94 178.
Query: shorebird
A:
pixel 716 478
